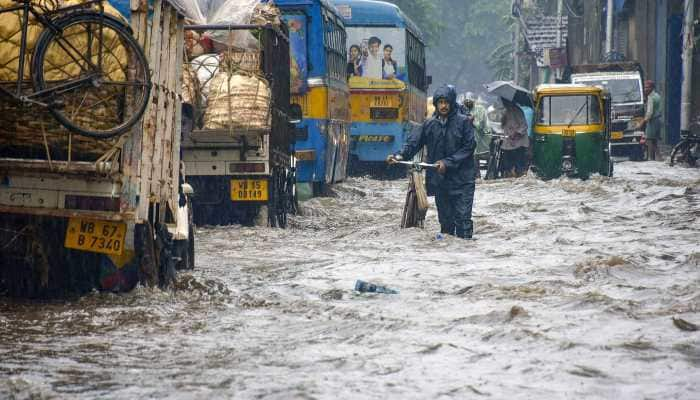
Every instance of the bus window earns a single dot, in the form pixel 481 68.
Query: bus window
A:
pixel 334 41
pixel 416 62
pixel 298 57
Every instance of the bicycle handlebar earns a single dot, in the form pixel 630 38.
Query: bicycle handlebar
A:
pixel 417 164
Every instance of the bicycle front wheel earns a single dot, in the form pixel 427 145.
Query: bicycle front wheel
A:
pixel 677 152
pixel 93 74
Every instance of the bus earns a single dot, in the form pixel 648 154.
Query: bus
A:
pixel 320 91
pixel 385 63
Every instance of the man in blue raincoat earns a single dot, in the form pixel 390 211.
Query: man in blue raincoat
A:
pixel 449 140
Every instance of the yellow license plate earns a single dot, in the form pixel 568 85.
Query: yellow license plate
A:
pixel 374 138
pixel 569 133
pixel 616 135
pixel 384 102
pixel 249 190
pixel 96 236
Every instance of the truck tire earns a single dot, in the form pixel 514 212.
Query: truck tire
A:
pixel 165 249
pixel 148 271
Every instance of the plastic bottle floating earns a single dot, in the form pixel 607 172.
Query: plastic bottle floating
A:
pixel 366 287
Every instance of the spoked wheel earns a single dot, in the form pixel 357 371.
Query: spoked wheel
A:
pixel 408 218
pixel 683 152
pixel 491 168
pixel 494 163
pixel 94 74
pixel 413 215
pixel 278 201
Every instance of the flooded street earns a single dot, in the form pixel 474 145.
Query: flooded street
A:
pixel 569 292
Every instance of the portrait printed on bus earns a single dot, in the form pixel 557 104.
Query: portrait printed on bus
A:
pixel 376 54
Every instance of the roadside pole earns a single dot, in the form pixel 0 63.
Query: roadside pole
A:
pixel 688 36
pixel 560 6
pixel 516 12
pixel 609 28
pixel 516 50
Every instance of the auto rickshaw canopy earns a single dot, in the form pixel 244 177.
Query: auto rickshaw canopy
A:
pixel 593 122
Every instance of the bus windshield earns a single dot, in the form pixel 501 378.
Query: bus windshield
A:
pixel 569 110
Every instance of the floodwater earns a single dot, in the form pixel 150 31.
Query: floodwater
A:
pixel 568 293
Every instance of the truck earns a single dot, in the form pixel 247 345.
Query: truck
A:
pixel 624 82
pixel 238 154
pixel 79 213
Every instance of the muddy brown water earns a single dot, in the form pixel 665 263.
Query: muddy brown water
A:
pixel 569 292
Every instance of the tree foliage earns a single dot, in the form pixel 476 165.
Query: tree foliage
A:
pixel 470 41
pixel 461 34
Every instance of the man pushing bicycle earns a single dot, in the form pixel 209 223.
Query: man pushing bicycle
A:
pixel 449 139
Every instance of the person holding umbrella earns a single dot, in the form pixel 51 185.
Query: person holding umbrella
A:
pixel 515 147
pixel 449 140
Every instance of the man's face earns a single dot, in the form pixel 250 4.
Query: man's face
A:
pixel 648 89
pixel 374 49
pixel 387 53
pixel 443 107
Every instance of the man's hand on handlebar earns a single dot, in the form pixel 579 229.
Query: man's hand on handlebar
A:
pixel 441 167
pixel 393 158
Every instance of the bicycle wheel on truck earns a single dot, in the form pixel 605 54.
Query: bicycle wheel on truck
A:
pixel 93 74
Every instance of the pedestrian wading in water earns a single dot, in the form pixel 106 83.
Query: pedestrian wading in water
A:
pixel 448 137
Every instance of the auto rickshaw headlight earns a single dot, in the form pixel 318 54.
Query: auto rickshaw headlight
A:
pixel 567 164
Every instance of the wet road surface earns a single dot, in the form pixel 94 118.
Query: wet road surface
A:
pixel 569 292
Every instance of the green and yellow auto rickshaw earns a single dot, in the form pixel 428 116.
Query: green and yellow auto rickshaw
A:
pixel 571 133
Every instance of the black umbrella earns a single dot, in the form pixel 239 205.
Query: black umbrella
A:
pixel 510 92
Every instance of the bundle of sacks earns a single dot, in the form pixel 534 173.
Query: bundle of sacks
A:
pixel 227 83
pixel 238 101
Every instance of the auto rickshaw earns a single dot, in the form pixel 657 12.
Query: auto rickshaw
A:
pixel 571 131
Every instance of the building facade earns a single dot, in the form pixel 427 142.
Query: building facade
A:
pixel 647 31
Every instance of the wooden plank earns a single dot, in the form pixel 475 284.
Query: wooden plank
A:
pixel 177 139
pixel 131 151
pixel 16 165
pixel 170 168
pixel 64 213
pixel 168 120
pixel 149 124
pixel 156 170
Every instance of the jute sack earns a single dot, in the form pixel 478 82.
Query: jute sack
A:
pixel 238 102
pixel 421 194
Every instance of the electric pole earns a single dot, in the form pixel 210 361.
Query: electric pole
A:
pixel 688 39
pixel 609 28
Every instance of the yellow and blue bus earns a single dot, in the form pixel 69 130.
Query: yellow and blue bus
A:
pixel 386 70
pixel 319 86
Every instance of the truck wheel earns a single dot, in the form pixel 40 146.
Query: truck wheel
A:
pixel 166 260
pixel 148 271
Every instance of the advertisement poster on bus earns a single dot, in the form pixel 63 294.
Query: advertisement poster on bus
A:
pixel 376 56
pixel 297 49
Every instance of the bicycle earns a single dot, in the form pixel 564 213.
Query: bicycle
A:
pixel 86 69
pixel 416 205
pixel 493 166
pixel 688 149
